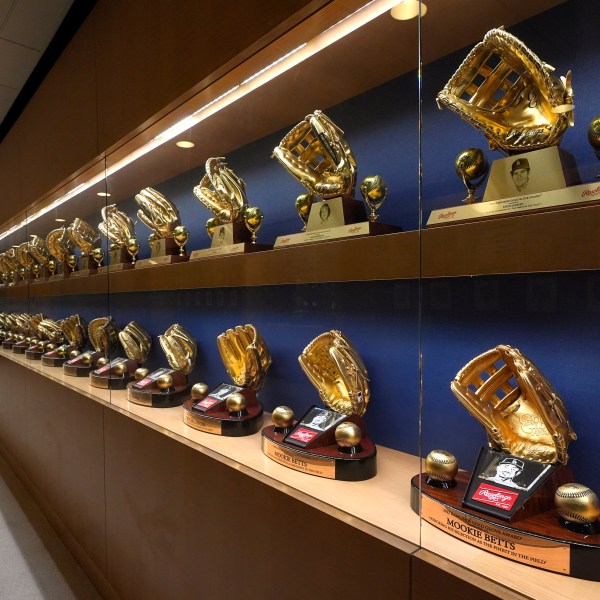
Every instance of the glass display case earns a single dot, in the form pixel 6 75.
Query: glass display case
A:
pixel 212 218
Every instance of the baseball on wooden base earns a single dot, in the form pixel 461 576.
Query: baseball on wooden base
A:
pixel 441 465
pixel 577 503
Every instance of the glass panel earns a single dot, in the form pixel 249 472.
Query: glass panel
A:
pixel 512 269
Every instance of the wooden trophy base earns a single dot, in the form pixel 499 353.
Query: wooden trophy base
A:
pixel 34 354
pixel 163 252
pixel 75 367
pixel 8 344
pixel 304 448
pixel 104 377
pixel 228 249
pixel 539 540
pixel 210 414
pixel 147 393
pixel 56 359
pixel 20 347
pixel 118 260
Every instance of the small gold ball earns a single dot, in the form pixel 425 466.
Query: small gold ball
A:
pixel 283 416
pixel 101 361
pixel 471 162
pixel 61 350
pixel 577 503
pixel 74 354
pixel 348 434
pixel 441 465
pixel 165 382
pixel 141 373
pixel 86 358
pixel 50 347
pixel 199 391
pixel 120 368
pixel 235 402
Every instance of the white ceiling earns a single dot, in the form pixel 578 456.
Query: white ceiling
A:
pixel 26 29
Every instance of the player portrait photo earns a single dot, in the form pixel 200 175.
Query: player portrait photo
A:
pixel 513 472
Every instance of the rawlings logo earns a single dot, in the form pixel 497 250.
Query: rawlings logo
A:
pixel 533 425
pixel 354 230
pixel 494 496
pixel 447 215
pixel 593 192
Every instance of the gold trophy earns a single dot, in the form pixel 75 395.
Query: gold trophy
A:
pixel 98 256
pixel 162 217
pixel 232 409
pixel 374 190
pixel 39 251
pixel 317 154
pixel 594 137
pixel 472 167
pixel 521 480
pixel 103 336
pixel 84 236
pixel 328 442
pixel 234 225
pixel 56 350
pixel 37 343
pixel 28 333
pixel 58 243
pixel 117 373
pixel 133 247
pixel 181 235
pixel 118 228
pixel 167 387
pixel 25 260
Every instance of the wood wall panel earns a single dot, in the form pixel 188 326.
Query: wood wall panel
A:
pixel 58 128
pixel 64 435
pixel 157 51
pixel 10 175
pixel 13 409
pixel 191 527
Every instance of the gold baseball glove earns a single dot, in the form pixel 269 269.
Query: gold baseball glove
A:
pixel 74 329
pixel 516 404
pixel 83 235
pixel 58 242
pixel 157 213
pixel 37 249
pixel 335 368
pixel 116 225
pixel 103 335
pixel 179 347
pixel 136 342
pixel 23 256
pixel 505 90
pixel 245 355
pixel 50 330
pixel 316 153
pixel 222 191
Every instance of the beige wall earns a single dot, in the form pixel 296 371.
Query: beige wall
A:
pixel 129 60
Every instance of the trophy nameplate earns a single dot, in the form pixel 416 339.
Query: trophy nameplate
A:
pixel 164 251
pixel 78 367
pixel 118 260
pixel 333 219
pixel 571 197
pixel 230 238
pixel 538 540
pixel 104 377
pixel 309 446
pixel 146 392
pixel 56 357
pixel 210 414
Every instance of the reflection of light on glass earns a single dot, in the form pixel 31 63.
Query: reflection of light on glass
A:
pixel 370 11
pixel 103 194
pixel 59 220
pixel 185 144
pixel 408 9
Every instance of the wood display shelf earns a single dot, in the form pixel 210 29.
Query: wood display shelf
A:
pixel 379 507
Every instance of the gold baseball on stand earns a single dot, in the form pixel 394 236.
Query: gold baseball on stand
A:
pixel 235 402
pixel 441 465
pixel 98 256
pixel 577 503
pixel 181 235
pixel 211 226
pixel 52 266
pixel 283 416
pixel 472 167
pixel 74 354
pixel 86 359
pixel 133 247
pixel 348 434
pixel 594 137
pixel 50 347
pixel 101 361
pixel 199 391
pixel 165 382
pixel 303 204
pixel 253 217
pixel 141 373
pixel 374 190
pixel 72 261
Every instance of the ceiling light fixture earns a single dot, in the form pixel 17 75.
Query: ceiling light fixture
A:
pixel 408 9
pixel 185 144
